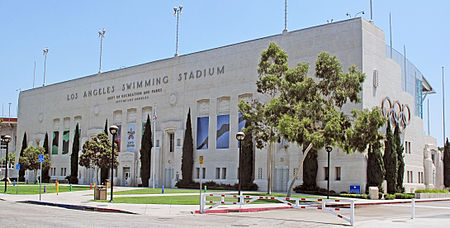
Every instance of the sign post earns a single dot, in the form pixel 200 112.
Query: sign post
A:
pixel 17 185
pixel 41 159
pixel 200 160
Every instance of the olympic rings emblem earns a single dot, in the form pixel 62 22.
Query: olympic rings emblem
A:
pixel 396 112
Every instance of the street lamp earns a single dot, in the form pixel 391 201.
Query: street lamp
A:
pixel 6 139
pixel 113 130
pixel 328 149
pixel 101 35
pixel 177 13
pixel 240 136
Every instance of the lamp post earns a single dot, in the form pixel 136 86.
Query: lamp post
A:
pixel 240 136
pixel 101 35
pixel 177 13
pixel 328 149
pixel 6 139
pixel 113 130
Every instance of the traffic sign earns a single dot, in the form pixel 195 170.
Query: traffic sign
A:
pixel 41 158
pixel 200 160
pixel 18 166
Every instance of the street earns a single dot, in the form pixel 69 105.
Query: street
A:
pixel 430 214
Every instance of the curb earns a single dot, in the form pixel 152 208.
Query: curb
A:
pixel 334 205
pixel 77 207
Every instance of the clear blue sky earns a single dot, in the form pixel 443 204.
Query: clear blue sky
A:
pixel 143 31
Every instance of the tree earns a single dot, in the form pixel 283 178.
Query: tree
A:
pixel 247 161
pixel 104 172
pixel 146 153
pixel 24 146
pixel 187 159
pixel 30 159
pixel 96 153
pixel 375 166
pixel 390 160
pixel 398 147
pixel 74 157
pixel 447 164
pixel 302 109
pixel 11 157
pixel 45 175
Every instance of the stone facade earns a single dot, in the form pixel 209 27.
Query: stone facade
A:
pixel 211 83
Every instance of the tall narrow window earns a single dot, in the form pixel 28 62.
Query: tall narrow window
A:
pixel 202 132
pixel 217 173
pixel 55 142
pixel 326 173
pixel 204 173
pixel 259 173
pixel 224 173
pixel 171 142
pixel 223 131
pixel 198 173
pixel 338 173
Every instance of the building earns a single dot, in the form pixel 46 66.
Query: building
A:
pixel 8 126
pixel 211 83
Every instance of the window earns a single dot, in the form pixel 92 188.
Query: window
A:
pixel 338 173
pixel 55 142
pixel 204 173
pixel 326 172
pixel 63 172
pixel 224 173
pixel 171 142
pixel 223 132
pixel 202 132
pixel 157 143
pixel 198 173
pixel 259 173
pixel 217 173
pixel 295 172
pixel 407 147
pixel 178 142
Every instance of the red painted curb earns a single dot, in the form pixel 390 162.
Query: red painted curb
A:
pixel 242 210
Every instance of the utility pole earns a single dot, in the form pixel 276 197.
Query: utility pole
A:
pixel 45 63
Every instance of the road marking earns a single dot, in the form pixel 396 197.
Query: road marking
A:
pixel 422 206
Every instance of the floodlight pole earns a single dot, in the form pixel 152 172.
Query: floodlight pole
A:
pixel 6 139
pixel 177 13
pixel 328 149
pixel 101 35
pixel 45 63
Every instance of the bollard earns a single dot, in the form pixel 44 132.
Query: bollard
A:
pixel 413 209
pixel 57 188
pixel 205 188
pixel 91 186
pixel 163 189
pixel 14 183
pixel 70 187
pixel 45 188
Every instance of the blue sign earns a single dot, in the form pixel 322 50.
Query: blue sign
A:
pixel 355 189
pixel 18 166
pixel 41 158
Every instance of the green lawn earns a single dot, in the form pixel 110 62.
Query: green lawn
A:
pixel 194 199
pixel 156 191
pixel 34 189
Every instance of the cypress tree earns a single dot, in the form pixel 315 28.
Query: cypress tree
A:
pixel 398 146
pixel 45 176
pixel 375 166
pixel 24 146
pixel 74 157
pixel 187 160
pixel 247 161
pixel 310 171
pixel 146 151
pixel 447 164
pixel 390 161
pixel 104 171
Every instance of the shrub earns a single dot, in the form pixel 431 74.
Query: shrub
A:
pixel 404 196
pixel 432 191
pixel 389 196
pixel 359 196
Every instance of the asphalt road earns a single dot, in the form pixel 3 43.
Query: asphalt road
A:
pixel 431 214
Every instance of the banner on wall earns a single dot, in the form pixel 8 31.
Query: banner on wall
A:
pixel 117 138
pixel 202 132
pixel 65 148
pixel 55 142
pixel 131 137
pixel 223 132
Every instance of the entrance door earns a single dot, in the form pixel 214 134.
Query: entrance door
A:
pixel 126 176
pixel 281 179
pixel 168 178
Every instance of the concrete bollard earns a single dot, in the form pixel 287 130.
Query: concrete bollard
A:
pixel 373 193
pixel 45 188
